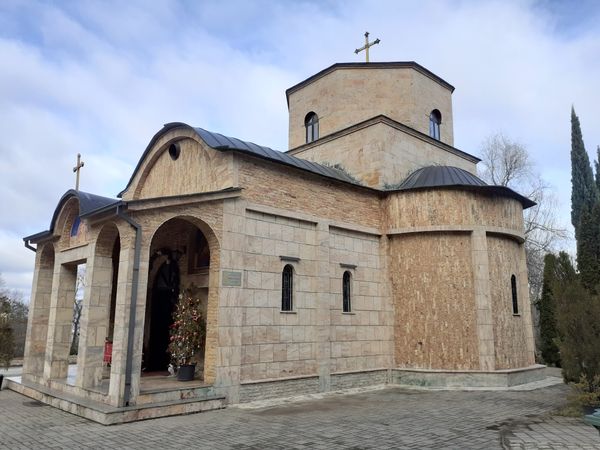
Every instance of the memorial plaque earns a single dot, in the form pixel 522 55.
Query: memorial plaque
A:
pixel 231 278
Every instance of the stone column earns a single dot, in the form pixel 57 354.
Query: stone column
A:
pixel 481 284
pixel 94 321
pixel 39 310
pixel 60 322
pixel 122 308
pixel 225 305
pixel 324 305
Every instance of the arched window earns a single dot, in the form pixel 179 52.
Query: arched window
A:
pixel 346 290
pixel 287 288
pixel 435 119
pixel 75 226
pixel 513 287
pixel 311 122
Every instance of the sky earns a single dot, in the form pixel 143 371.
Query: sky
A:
pixel 100 78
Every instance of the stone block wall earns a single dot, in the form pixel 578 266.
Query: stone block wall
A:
pixel 347 96
pixel 363 338
pixel 381 154
pixel 275 343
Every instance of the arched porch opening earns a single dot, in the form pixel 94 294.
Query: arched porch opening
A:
pixel 39 311
pixel 182 254
pixel 98 312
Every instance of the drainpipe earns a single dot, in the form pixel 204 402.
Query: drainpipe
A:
pixel 29 246
pixel 132 304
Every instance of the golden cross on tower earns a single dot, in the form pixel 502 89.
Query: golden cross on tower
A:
pixel 367 45
pixel 77 169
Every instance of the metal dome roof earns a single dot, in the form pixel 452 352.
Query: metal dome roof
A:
pixel 454 177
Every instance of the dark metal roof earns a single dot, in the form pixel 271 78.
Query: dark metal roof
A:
pixel 220 142
pixel 371 65
pixel 454 177
pixel 89 204
pixel 435 176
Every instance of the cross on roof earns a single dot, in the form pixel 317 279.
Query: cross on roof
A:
pixel 367 45
pixel 77 169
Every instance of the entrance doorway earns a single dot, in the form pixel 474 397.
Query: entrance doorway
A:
pixel 179 259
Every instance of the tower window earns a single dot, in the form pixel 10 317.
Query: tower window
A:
pixel 311 122
pixel 513 287
pixel 346 289
pixel 435 119
pixel 287 288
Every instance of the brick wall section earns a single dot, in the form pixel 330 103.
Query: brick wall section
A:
pixel 287 388
pixel 359 379
pixel 510 331
pixel 278 389
pixel 432 284
pixel 287 188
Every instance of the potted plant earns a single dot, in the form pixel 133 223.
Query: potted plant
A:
pixel 187 333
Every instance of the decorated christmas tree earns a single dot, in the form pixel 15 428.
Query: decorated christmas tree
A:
pixel 188 329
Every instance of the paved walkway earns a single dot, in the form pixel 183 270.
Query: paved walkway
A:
pixel 387 418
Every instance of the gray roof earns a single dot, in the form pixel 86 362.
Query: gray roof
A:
pixel 88 204
pixel 454 177
pixel 220 142
pixel 435 176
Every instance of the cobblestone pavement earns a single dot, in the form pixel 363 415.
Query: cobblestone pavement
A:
pixel 388 418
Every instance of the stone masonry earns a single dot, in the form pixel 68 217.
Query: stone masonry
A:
pixel 429 269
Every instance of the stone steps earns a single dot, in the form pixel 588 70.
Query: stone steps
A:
pixel 176 393
pixel 110 415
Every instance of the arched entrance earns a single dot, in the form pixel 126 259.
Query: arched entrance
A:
pixel 39 311
pixel 179 259
pixel 98 312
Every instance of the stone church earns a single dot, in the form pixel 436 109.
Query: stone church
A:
pixel 368 253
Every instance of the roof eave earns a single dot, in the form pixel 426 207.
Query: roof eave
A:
pixel 37 237
pixel 372 65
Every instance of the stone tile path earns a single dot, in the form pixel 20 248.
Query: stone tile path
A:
pixel 377 419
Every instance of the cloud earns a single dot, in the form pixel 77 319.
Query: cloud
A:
pixel 101 78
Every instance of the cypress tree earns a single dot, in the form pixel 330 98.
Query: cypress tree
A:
pixel 547 309
pixel 588 248
pixel 584 191
pixel 598 169
pixel 579 330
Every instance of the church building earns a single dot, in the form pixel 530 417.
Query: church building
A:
pixel 369 253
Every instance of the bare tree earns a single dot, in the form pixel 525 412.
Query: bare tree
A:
pixel 506 162
pixel 13 324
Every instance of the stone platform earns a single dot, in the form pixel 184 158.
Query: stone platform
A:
pixel 468 379
pixel 167 398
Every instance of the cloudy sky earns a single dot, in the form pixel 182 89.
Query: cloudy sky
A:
pixel 100 78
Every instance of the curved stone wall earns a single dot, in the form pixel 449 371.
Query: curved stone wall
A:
pixel 452 254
